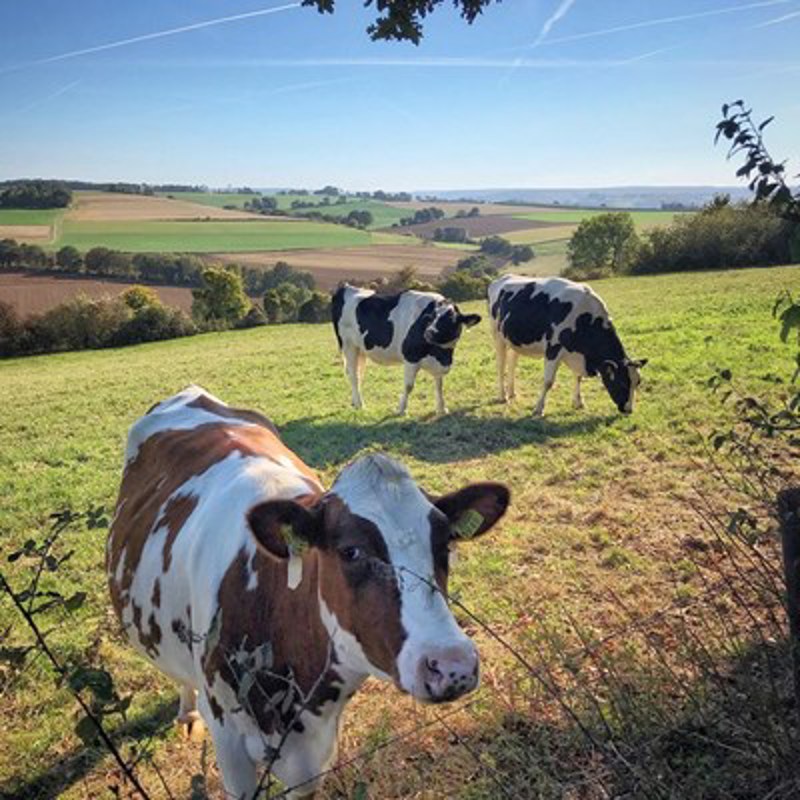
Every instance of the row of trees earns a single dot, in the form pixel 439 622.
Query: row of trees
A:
pixel 722 235
pixel 420 216
pixel 34 194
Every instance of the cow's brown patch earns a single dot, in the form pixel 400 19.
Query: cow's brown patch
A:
pixel 226 412
pixel 363 595
pixel 155 599
pixel 164 463
pixel 216 708
pixel 279 629
pixel 150 637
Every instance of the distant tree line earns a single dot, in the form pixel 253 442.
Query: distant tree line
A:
pixel 722 235
pixel 422 215
pixel 34 194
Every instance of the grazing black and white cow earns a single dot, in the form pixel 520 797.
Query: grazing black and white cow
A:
pixel 416 329
pixel 559 320
pixel 269 599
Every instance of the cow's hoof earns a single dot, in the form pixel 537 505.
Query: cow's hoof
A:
pixel 191 726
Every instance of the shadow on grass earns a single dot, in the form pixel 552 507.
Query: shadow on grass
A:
pixel 74 766
pixel 322 441
pixel 731 734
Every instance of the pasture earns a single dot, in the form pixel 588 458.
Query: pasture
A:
pixel 600 513
pixel 209 236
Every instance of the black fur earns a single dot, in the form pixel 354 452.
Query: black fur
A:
pixel 337 306
pixel 415 347
pixel 372 315
pixel 528 316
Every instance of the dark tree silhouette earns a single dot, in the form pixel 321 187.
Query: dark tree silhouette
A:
pixel 401 20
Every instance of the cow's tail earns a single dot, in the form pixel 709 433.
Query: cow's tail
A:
pixel 337 306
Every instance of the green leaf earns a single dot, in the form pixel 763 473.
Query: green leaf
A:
pixel 360 791
pixel 86 731
pixel 74 602
pixel 98 681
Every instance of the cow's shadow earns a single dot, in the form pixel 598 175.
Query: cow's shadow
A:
pixel 325 440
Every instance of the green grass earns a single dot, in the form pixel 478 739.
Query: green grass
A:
pixel 209 236
pixel 213 199
pixel 44 216
pixel 642 219
pixel 599 500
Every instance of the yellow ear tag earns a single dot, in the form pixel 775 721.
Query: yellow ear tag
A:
pixel 297 546
pixel 469 523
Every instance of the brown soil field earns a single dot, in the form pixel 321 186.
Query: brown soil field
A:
pixel 26 232
pixel 110 207
pixel 33 293
pixel 329 267
pixel 476 227
pixel 451 209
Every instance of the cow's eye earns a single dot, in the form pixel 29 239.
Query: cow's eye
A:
pixel 351 554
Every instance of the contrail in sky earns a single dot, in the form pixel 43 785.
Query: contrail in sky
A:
pixel 47 98
pixel 560 12
pixel 775 21
pixel 156 35
pixel 650 23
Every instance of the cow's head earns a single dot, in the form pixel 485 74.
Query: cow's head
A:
pixel 621 379
pixel 383 549
pixel 447 324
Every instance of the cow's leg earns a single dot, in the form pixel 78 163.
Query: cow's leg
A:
pixel 438 382
pixel 577 400
pixel 189 720
pixel 239 772
pixel 409 377
pixel 550 369
pixel 352 356
pixel 513 356
pixel 500 349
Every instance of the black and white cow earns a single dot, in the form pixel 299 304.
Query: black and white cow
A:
pixel 559 320
pixel 416 329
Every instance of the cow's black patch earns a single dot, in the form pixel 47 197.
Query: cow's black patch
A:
pixel 372 315
pixel 416 347
pixel 337 306
pixel 598 342
pixel 528 316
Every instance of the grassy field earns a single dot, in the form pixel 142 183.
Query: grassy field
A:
pixel 209 237
pixel 642 219
pixel 600 508
pixel 213 199
pixel 35 216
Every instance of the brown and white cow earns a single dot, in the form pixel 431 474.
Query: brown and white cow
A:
pixel 270 600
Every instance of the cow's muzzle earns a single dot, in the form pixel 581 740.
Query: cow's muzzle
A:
pixel 447 673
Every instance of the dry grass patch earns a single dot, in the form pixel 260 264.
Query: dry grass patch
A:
pixel 113 207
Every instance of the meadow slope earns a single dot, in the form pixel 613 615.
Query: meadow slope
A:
pixel 600 505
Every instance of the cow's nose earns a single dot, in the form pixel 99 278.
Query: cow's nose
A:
pixel 448 673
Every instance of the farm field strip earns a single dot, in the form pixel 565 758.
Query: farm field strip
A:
pixel 600 502
pixel 203 237
pixel 642 219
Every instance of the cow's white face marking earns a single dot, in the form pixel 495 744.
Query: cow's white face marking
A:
pixel 382 492
pixel 635 379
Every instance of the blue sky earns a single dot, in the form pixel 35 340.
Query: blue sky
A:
pixel 537 93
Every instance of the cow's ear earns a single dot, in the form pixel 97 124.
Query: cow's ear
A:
pixel 474 509
pixel 640 362
pixel 609 369
pixel 469 320
pixel 284 528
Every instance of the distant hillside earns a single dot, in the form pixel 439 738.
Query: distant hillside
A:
pixel 612 197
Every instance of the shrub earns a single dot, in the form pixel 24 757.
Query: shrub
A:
pixel 69 258
pixel 138 297
pixel 220 299
pixel 450 234
pixel 10 329
pixel 316 309
pixel 462 285
pixel 601 246
pixel 253 318
pixel 721 236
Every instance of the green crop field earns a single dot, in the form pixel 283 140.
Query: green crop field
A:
pixel 214 199
pixel 600 509
pixel 35 216
pixel 642 219
pixel 209 236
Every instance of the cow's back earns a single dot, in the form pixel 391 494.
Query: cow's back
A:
pixel 194 467
pixel 530 312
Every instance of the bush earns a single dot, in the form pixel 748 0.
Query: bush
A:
pixel 138 297
pixel 601 246
pixel 462 285
pixel 10 329
pixel 721 236
pixel 252 319
pixel 454 235
pixel 221 299
pixel 316 309
pixel 69 258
